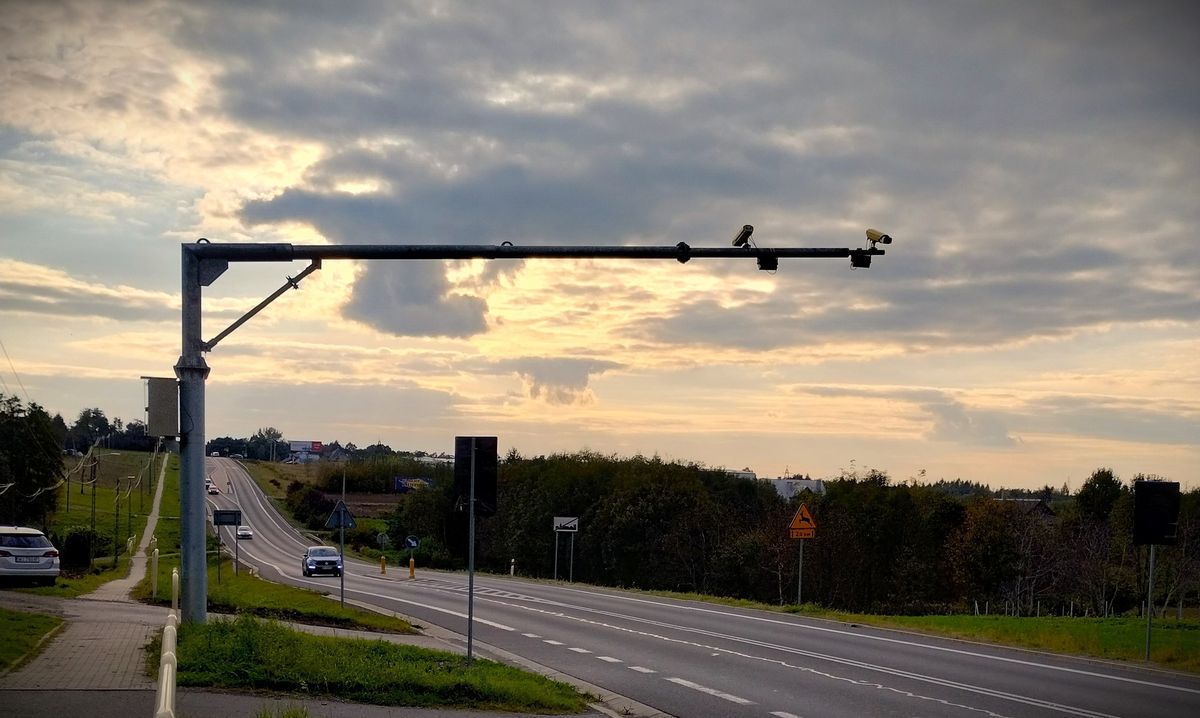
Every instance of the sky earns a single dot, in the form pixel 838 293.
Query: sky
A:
pixel 1038 164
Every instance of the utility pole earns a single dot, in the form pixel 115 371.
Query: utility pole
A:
pixel 203 263
pixel 116 525
pixel 94 536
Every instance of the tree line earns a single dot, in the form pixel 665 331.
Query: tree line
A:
pixel 880 546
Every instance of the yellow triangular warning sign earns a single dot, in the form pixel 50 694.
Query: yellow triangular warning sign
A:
pixel 802 526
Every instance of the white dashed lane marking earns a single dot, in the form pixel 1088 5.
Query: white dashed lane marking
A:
pixel 610 659
pixel 579 650
pixel 712 692
pixel 642 669
pixel 531 635
pixel 553 643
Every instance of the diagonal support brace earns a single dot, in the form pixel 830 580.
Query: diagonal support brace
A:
pixel 292 283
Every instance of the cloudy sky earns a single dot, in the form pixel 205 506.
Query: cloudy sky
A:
pixel 1037 162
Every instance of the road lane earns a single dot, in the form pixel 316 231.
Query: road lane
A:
pixel 690 658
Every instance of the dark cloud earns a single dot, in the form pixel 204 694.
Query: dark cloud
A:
pixel 1117 418
pixel 557 380
pixel 75 302
pixel 1015 152
pixel 414 299
pixel 1105 417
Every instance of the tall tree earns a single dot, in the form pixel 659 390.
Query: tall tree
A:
pixel 1097 496
pixel 30 463
pixel 90 426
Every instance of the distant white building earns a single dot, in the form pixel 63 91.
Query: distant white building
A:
pixel 436 460
pixel 787 488
pixel 743 474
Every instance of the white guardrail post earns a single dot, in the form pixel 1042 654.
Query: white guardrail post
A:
pixel 174 589
pixel 168 665
pixel 154 575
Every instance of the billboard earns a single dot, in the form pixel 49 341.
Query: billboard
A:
pixel 404 484
pixel 311 447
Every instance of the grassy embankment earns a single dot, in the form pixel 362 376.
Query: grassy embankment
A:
pixel 23 633
pixel 252 654
pixel 75 502
pixel 274 478
pixel 1175 644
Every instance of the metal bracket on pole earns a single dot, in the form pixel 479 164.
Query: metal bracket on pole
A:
pixel 292 283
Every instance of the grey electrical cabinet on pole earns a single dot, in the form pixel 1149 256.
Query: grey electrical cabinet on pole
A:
pixel 204 262
pixel 162 406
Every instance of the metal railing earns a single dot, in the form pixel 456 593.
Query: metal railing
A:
pixel 164 703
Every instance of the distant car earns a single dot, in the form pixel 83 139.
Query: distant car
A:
pixel 215 453
pixel 236 456
pixel 212 489
pixel 27 553
pixel 321 559
pixel 244 532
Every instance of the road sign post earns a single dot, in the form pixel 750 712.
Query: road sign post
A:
pixel 1155 521
pixel 475 457
pixel 412 543
pixel 567 524
pixel 227 517
pixel 803 526
pixel 341 519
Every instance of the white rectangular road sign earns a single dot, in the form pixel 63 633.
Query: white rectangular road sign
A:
pixel 566 523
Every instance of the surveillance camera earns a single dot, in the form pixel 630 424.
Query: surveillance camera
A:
pixel 875 236
pixel 743 237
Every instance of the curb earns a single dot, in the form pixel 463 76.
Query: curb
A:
pixel 37 647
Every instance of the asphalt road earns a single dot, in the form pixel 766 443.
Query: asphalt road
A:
pixel 696 659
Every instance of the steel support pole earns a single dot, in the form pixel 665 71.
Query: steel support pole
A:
pixel 800 575
pixel 1149 601
pixel 192 372
pixel 471 561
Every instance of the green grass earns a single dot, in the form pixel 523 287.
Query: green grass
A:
pixel 247 653
pixel 22 632
pixel 1174 644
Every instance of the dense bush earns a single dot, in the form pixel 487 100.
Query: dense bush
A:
pixel 309 505
pixel 75 549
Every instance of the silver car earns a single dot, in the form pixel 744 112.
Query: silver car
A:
pixel 27 553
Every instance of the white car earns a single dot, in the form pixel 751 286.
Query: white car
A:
pixel 244 532
pixel 27 553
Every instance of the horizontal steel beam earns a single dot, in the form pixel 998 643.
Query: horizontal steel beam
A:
pixel 280 252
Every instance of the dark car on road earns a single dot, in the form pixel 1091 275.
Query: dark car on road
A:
pixel 321 559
